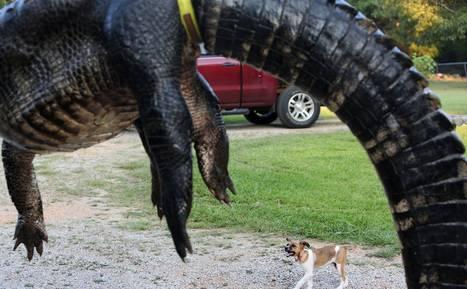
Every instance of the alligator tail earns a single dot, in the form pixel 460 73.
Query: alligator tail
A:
pixel 333 51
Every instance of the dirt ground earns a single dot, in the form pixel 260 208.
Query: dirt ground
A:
pixel 88 247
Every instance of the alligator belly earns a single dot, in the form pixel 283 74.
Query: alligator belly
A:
pixel 69 122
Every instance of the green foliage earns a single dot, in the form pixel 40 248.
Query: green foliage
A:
pixel 462 131
pixel 452 51
pixel 4 2
pixel 389 17
pixel 453 29
pixel 424 27
pixel 425 64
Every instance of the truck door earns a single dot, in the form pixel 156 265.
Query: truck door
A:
pixel 224 76
pixel 259 88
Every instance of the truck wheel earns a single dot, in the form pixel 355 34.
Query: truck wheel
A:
pixel 297 108
pixel 261 116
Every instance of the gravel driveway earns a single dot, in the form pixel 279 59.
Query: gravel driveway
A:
pixel 89 248
pixel 98 254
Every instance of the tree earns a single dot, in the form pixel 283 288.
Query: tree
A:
pixel 451 33
pixel 406 21
pixel 4 2
pixel 422 27
pixel 454 24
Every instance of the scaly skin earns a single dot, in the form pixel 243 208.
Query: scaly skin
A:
pixel 331 50
pixel 209 134
pixel 326 47
pixel 68 86
pixel 22 185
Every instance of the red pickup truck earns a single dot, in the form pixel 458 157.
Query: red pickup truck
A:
pixel 261 97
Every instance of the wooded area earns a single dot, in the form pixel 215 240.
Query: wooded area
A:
pixel 434 28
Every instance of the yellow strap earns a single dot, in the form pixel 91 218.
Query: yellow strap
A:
pixel 188 18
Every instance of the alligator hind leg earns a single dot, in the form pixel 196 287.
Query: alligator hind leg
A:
pixel 165 127
pixel 167 131
pixel 210 137
pixel 24 192
pixel 150 58
pixel 155 178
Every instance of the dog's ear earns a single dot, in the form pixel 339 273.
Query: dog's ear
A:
pixel 306 244
pixel 288 239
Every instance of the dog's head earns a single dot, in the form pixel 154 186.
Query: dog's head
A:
pixel 294 248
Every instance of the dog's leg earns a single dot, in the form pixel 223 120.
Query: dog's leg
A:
pixel 307 277
pixel 342 275
pixel 310 284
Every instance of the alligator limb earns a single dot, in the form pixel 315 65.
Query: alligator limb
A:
pixel 209 134
pixel 92 67
pixel 333 51
pixel 22 185
pixel 210 137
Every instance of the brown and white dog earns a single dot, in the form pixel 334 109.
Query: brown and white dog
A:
pixel 311 258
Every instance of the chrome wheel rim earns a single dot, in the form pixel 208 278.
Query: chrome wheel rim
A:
pixel 301 107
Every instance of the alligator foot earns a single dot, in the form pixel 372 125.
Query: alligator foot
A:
pixel 25 194
pixel 31 232
pixel 213 159
pixel 219 188
pixel 209 134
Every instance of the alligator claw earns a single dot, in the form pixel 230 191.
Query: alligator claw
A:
pixel 160 213
pixel 222 196
pixel 216 177
pixel 30 250
pixel 39 248
pixel 176 219
pixel 156 197
pixel 231 186
pixel 31 234
pixel 17 243
pixel 212 150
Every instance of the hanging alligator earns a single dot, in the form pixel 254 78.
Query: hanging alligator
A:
pixel 89 68
pixel 61 92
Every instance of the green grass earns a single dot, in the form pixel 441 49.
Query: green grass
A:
pixel 322 186
pixel 453 95
pixel 386 252
pixel 315 186
pixel 318 186
pixel 235 119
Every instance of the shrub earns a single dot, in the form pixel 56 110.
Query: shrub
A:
pixel 425 64
pixel 4 2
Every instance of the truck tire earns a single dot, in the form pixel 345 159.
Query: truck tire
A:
pixel 297 108
pixel 258 116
